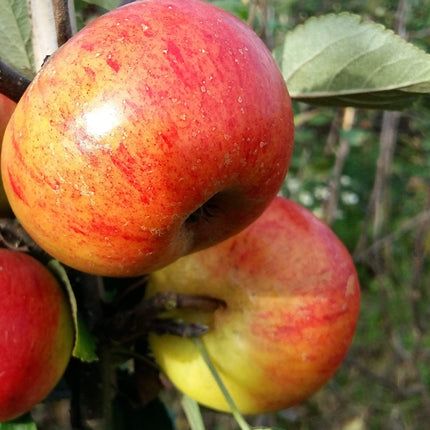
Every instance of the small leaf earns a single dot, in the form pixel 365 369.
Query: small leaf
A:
pixel 192 412
pixel 235 7
pixel 25 422
pixel 15 35
pixel 105 4
pixel 85 343
pixel 344 61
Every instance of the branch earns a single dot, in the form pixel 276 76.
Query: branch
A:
pixel 12 84
pixel 377 215
pixel 332 203
pixel 44 35
pixel 14 237
pixel 406 226
pixel 63 20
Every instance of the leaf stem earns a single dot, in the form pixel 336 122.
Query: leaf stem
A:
pixel 234 410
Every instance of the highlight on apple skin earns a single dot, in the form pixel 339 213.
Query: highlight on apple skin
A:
pixel 161 128
pixel 292 302
pixel 37 333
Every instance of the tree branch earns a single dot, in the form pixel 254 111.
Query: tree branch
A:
pixel 44 35
pixel 12 84
pixel 332 203
pixel 63 20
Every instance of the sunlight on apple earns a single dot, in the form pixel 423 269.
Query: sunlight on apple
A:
pixel 102 120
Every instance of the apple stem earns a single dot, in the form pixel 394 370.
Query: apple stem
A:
pixel 168 301
pixel 138 321
pixel 234 410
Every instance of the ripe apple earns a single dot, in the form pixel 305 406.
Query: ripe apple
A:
pixel 37 333
pixel 161 128
pixel 7 106
pixel 292 302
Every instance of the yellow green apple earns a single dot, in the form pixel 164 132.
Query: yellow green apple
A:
pixel 37 333
pixel 161 128
pixel 292 300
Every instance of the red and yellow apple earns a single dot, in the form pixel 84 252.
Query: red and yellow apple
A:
pixel 292 302
pixel 37 333
pixel 7 106
pixel 161 128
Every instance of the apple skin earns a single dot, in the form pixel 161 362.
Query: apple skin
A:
pixel 7 106
pixel 37 333
pixel 149 113
pixel 292 302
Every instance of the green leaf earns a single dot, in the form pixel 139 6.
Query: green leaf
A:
pixel 15 36
pixel 85 343
pixel 25 422
pixel 343 60
pixel 235 7
pixel 105 4
pixel 192 412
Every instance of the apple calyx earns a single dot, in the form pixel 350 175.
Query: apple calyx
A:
pixel 203 213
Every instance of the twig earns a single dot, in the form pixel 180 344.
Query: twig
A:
pixel 167 301
pixel 377 210
pixel 129 325
pixel 12 84
pixel 404 227
pixel 177 328
pixel 331 204
pixel 13 236
pixel 63 22
pixel 44 35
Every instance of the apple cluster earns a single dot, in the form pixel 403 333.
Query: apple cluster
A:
pixel 155 142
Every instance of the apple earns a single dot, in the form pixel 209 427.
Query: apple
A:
pixel 292 300
pixel 37 333
pixel 7 106
pixel 161 128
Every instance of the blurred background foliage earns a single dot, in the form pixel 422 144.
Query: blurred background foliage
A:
pixel 365 173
